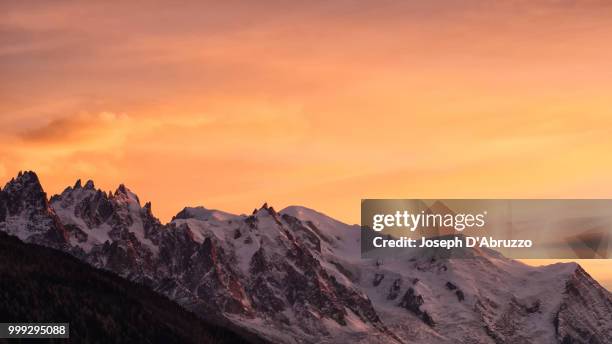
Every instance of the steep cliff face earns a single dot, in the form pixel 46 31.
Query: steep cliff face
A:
pixel 296 276
pixel 25 212
pixel 585 307
pixel 111 231
pixel 267 271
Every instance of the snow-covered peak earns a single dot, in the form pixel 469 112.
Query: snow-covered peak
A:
pixel 204 214
pixel 324 222
pixel 25 212
pixel 125 195
pixel 24 192
pixel 344 235
pixel 27 179
pixel 88 185
pixel 95 217
pixel 79 188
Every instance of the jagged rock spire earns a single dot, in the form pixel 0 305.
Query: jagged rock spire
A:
pixel 147 208
pixel 90 185
pixel 23 199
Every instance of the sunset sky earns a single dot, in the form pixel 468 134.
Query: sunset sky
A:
pixel 319 103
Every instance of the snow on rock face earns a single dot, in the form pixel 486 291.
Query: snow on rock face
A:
pixel 201 213
pixel 268 266
pixel 296 276
pixel 82 209
pixel 131 217
pixel 584 307
pixel 341 241
pixel 25 212
pixel 486 299
pixel 111 230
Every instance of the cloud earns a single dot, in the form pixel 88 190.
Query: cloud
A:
pixel 74 145
pixel 81 127
pixel 84 142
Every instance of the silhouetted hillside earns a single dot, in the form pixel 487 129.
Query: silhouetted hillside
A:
pixel 39 284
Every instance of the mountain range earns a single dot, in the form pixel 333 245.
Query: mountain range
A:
pixel 297 276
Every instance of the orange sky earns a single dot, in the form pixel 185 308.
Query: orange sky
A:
pixel 315 103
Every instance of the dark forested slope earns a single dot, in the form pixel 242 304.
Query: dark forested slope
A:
pixel 39 284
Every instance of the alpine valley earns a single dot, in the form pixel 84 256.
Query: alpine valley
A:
pixel 296 275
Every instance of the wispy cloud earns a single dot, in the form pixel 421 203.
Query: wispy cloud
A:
pixel 77 129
